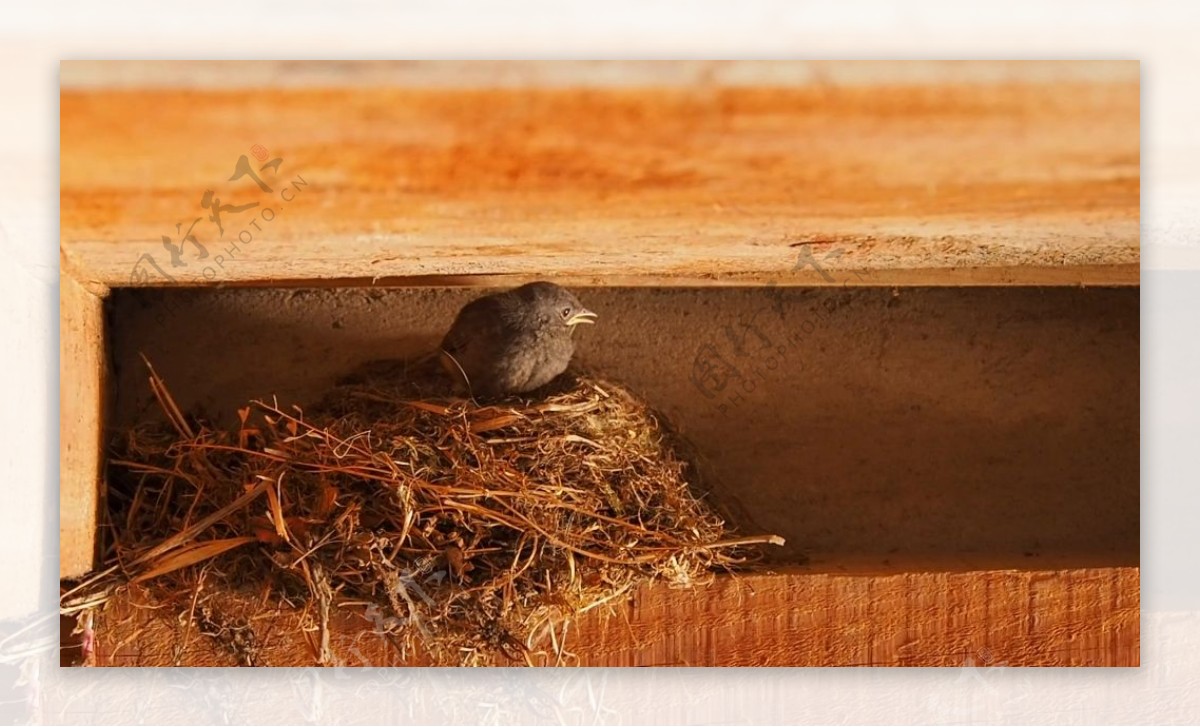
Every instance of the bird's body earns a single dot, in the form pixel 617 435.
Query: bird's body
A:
pixel 515 341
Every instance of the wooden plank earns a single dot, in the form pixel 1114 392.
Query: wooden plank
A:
pixel 81 397
pixel 1085 617
pixel 949 180
pixel 1077 617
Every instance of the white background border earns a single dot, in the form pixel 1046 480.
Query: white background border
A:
pixel 1163 35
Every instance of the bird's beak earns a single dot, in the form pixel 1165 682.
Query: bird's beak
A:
pixel 583 315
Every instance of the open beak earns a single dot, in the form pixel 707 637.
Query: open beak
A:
pixel 583 315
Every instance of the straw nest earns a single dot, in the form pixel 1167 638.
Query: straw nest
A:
pixel 469 531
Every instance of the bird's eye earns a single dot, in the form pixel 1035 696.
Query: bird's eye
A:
pixel 566 312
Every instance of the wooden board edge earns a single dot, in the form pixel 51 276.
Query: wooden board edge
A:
pixel 980 619
pixel 1069 617
pixel 81 411
pixel 102 271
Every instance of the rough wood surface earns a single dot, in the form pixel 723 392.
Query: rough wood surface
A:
pixel 1075 617
pixel 1080 617
pixel 775 176
pixel 81 396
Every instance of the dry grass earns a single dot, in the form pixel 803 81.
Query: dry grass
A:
pixel 470 533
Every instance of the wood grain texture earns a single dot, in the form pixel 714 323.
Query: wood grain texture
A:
pixel 1078 617
pixel 941 179
pixel 1073 617
pixel 81 397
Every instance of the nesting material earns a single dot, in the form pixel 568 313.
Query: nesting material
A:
pixel 469 533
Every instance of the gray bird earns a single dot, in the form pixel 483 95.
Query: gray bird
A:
pixel 515 341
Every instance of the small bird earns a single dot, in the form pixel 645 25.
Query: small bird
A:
pixel 515 341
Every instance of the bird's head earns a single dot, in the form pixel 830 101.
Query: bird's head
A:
pixel 555 303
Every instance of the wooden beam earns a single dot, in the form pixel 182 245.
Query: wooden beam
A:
pixel 1066 617
pixel 81 397
pixel 1070 617
pixel 949 180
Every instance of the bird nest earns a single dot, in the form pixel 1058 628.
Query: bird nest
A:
pixel 470 533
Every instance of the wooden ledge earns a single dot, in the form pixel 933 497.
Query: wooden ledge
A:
pixel 1068 617
pixel 957 181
